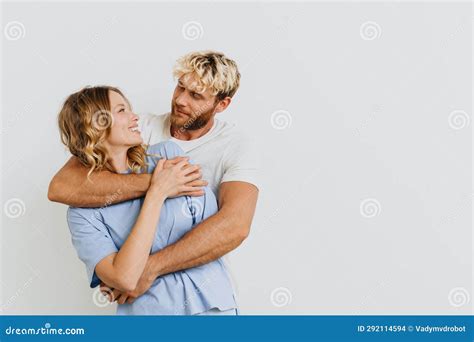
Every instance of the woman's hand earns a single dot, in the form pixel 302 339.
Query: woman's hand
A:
pixel 172 180
pixel 197 184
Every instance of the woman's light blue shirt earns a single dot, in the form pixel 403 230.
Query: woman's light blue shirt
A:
pixel 99 232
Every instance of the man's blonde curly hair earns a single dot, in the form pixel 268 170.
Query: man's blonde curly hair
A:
pixel 213 71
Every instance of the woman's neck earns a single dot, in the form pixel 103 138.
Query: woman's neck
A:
pixel 118 159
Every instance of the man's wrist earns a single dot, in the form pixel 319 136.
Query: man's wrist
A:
pixel 154 266
pixel 145 181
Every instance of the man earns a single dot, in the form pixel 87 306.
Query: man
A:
pixel 207 81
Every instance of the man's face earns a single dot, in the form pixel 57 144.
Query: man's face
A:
pixel 191 107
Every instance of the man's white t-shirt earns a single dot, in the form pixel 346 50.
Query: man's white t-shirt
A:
pixel 224 153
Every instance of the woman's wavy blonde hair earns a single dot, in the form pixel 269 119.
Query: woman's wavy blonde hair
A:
pixel 85 122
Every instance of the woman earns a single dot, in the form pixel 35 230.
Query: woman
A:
pixel 114 241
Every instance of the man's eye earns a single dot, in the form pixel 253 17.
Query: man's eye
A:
pixel 195 95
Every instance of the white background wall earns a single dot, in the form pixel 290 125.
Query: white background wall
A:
pixel 376 103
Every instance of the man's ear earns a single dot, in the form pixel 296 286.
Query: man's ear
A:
pixel 223 104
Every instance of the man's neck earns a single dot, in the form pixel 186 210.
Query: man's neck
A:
pixel 181 133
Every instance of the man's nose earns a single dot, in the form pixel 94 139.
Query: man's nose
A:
pixel 181 100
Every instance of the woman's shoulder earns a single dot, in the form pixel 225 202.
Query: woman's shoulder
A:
pixel 166 149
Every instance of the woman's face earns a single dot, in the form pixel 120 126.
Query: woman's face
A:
pixel 124 130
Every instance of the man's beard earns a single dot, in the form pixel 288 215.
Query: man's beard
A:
pixel 193 122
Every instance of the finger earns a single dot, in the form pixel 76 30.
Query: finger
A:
pixel 192 177
pixel 160 165
pixel 192 168
pixel 115 294
pixel 197 193
pixel 174 161
pixel 106 291
pixel 130 300
pixel 177 160
pixel 180 164
pixel 198 183
pixel 123 298
pixel 187 165
pixel 186 189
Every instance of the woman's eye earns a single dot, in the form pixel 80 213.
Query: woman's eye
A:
pixel 122 110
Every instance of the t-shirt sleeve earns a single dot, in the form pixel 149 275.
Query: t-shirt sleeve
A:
pixel 240 161
pixel 91 239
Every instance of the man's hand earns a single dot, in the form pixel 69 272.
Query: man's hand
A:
pixel 114 294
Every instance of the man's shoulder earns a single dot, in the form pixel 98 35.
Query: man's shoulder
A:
pixel 233 139
pixel 230 130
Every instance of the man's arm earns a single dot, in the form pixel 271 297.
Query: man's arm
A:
pixel 208 241
pixel 215 236
pixel 71 186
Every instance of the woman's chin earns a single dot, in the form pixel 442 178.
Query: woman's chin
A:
pixel 134 142
pixel 138 140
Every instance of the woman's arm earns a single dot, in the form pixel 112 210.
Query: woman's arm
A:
pixel 122 270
